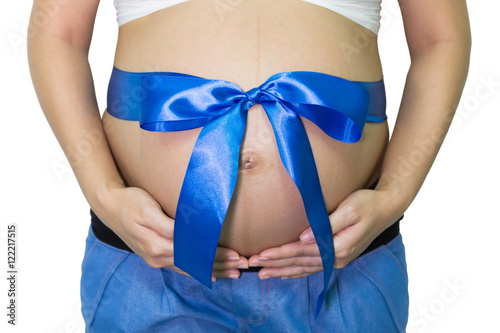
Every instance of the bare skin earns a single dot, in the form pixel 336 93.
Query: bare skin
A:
pixel 132 178
pixel 266 209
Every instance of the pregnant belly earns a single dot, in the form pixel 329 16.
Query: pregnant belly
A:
pixel 266 209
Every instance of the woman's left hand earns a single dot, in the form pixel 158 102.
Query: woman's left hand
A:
pixel 356 222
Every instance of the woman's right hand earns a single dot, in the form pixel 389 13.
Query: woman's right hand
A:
pixel 137 218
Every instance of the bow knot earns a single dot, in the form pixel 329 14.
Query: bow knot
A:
pixel 254 95
pixel 258 95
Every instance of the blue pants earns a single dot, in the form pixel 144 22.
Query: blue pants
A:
pixel 121 293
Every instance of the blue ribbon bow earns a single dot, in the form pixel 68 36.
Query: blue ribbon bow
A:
pixel 176 102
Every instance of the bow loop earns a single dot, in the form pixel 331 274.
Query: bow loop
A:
pixel 181 102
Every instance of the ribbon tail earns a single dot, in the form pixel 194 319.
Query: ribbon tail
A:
pixel 297 157
pixel 206 193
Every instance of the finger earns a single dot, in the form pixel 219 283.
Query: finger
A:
pixel 314 261
pixel 150 245
pixel 341 263
pixel 154 218
pixel 159 262
pixel 223 253
pixel 178 270
pixel 346 214
pixel 290 250
pixel 297 276
pixel 162 224
pixel 349 244
pixel 307 236
pixel 286 272
pixel 226 273
pixel 231 264
pixel 338 221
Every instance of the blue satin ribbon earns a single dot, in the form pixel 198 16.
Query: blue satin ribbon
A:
pixel 166 101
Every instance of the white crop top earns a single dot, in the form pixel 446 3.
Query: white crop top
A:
pixel 363 12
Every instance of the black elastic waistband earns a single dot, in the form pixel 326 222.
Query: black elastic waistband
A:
pixel 385 237
pixel 105 234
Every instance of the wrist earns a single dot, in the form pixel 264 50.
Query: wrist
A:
pixel 395 201
pixel 105 201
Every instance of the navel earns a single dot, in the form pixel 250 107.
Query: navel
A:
pixel 250 160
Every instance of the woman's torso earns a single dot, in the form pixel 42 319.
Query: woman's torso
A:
pixel 246 42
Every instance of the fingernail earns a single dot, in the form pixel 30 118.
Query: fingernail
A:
pixel 263 258
pixel 284 277
pixel 214 279
pixel 307 237
pixel 233 258
pixel 233 276
pixel 264 277
pixel 242 266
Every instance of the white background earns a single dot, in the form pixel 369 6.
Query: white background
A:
pixel 450 230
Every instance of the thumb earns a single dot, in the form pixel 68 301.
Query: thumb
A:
pixel 344 216
pixel 307 236
pixel 155 218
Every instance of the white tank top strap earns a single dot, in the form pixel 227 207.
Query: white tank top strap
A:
pixel 364 12
pixel 129 10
